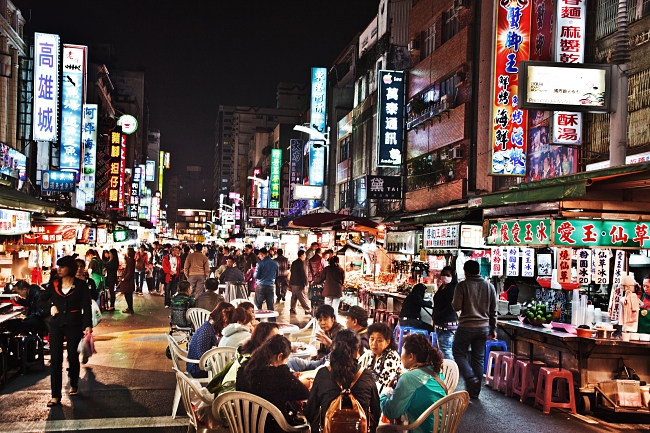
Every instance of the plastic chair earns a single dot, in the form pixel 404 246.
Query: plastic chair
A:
pixel 524 378
pixel 178 354
pixel 496 344
pixel 506 374
pixel 406 331
pixel 198 316
pixel 313 324
pixel 197 404
pixel 450 409
pixel 493 373
pixel 215 359
pixel 247 413
pixel 450 372
pixel 544 394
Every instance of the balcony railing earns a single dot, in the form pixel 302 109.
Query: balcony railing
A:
pixel 434 110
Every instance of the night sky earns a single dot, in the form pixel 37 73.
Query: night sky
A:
pixel 199 55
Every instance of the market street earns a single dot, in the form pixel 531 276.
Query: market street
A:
pixel 128 385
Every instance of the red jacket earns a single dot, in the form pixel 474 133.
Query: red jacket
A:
pixel 167 267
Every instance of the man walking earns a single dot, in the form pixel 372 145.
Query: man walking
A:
pixel 197 270
pixel 156 263
pixel 141 263
pixel 265 274
pixel 283 272
pixel 298 282
pixel 171 265
pixel 476 298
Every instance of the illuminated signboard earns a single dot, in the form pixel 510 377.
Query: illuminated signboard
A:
pixel 257 171
pixel 150 174
pixel 390 118
pixel 46 87
pixel 155 209
pixel 509 121
pixel 295 168
pixel 167 158
pixel 128 123
pixel 264 193
pixel 161 167
pixel 134 198
pixel 565 86
pixel 51 234
pixel 601 233
pixel 441 236
pixel 89 140
pixel 316 162
pixel 61 181
pixel 318 98
pixel 276 162
pixel 72 99
pixel 14 222
pixel 12 162
pixel 116 169
pixel 307 192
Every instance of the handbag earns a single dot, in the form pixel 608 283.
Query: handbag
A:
pixel 96 312
pixel 315 292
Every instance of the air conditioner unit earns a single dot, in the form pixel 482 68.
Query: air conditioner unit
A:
pixel 414 45
pixel 455 153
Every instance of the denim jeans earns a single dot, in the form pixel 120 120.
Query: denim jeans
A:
pixel 265 293
pixel 300 364
pixel 139 280
pixel 476 338
pixel 445 342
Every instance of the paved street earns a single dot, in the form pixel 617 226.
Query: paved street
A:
pixel 128 385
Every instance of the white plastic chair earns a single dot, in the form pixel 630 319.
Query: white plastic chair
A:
pixel 197 316
pixel 235 302
pixel 450 371
pixel 178 354
pixel 215 359
pixel 195 401
pixel 449 408
pixel 313 323
pixel 247 413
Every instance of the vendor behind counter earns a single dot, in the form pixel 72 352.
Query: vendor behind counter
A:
pixel 411 308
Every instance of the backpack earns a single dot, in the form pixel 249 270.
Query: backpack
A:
pixel 345 418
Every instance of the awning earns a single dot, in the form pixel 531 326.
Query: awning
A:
pixel 319 220
pixel 434 217
pixel 15 199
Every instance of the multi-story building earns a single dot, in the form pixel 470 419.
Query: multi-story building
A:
pixel 191 224
pixel 130 97
pixel 190 189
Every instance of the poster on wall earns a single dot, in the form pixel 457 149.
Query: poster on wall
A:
pixel 496 262
pixel 527 262
pixel 400 242
pixel 544 266
pixel 584 266
pixel 545 160
pixel 513 261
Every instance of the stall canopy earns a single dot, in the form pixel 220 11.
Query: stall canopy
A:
pixel 15 199
pixel 320 220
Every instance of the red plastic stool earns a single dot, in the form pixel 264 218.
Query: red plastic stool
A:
pixel 506 370
pixel 524 378
pixel 544 394
pixel 379 315
pixel 393 320
pixel 493 371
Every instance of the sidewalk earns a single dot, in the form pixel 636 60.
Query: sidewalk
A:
pixel 128 385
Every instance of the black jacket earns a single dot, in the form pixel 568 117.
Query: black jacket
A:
pixel 111 271
pixel 413 305
pixel 325 390
pixel 31 303
pixel 298 274
pixel 442 310
pixel 74 308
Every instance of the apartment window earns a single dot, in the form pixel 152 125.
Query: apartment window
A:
pixel 646 7
pixel 429 40
pixel 344 149
pixel 448 86
pixel 607 12
pixel 450 24
pixel 343 195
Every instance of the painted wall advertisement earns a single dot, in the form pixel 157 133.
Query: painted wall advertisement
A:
pixel 72 99
pixel 509 120
pixel 276 163
pixel 89 140
pixel 390 118
pixel 318 98
pixel 46 87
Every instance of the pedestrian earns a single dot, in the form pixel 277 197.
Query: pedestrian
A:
pixel 68 300
pixel 265 274
pixel 231 273
pixel 186 252
pixel 312 250
pixel 250 259
pixel 82 275
pixel 334 277
pixel 96 268
pixel 356 319
pixel 298 283
pixel 111 267
pixel 412 308
pixel 171 265
pixel 141 263
pixel 197 270
pixel 445 318
pixel 156 264
pixel 476 299
pixel 315 267
pixel 281 282
pixel 209 299
pixel 127 285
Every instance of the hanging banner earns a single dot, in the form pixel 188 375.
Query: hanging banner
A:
pixel 564 265
pixel 390 118
pixel 527 262
pixel 584 266
pixel 46 87
pixel 89 140
pixel 601 233
pixel 619 267
pixel 496 262
pixel 72 99
pixel 601 268
pixel 520 232
pixel 441 236
pixel 276 162
pixel 512 258
pixel 400 242
pixel 509 120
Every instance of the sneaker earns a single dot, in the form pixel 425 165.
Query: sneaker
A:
pixel 127 311
pixel 473 387
pixel 308 312
pixel 292 312
pixel 166 306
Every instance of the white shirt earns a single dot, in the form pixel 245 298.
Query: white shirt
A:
pixel 172 263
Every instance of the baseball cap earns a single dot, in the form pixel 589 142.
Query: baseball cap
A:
pixel 355 312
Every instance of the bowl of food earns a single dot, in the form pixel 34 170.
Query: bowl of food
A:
pixel 585 332
pixel 538 315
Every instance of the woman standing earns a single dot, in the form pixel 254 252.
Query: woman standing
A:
pixel 266 375
pixel 333 285
pixel 382 359
pixel 418 388
pixel 127 286
pixel 68 300
pixel 445 318
pixel 111 267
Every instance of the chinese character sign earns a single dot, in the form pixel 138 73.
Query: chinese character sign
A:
pixel 72 99
pixel 295 167
pixel 89 141
pixel 527 262
pixel 520 232
pixel 509 121
pixel 318 98
pixel 496 262
pixel 116 167
pixel 384 187
pixel 390 118
pixel 584 261
pixel 316 164
pixel 442 236
pixel 61 181
pixel 46 86
pixel 564 256
pixel 150 174
pixel 601 266
pixel 512 261
pixel 601 233
pixel 276 162
pixel 619 267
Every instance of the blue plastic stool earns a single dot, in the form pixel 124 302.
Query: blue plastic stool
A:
pixel 434 338
pixel 396 331
pixel 405 331
pixel 489 345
